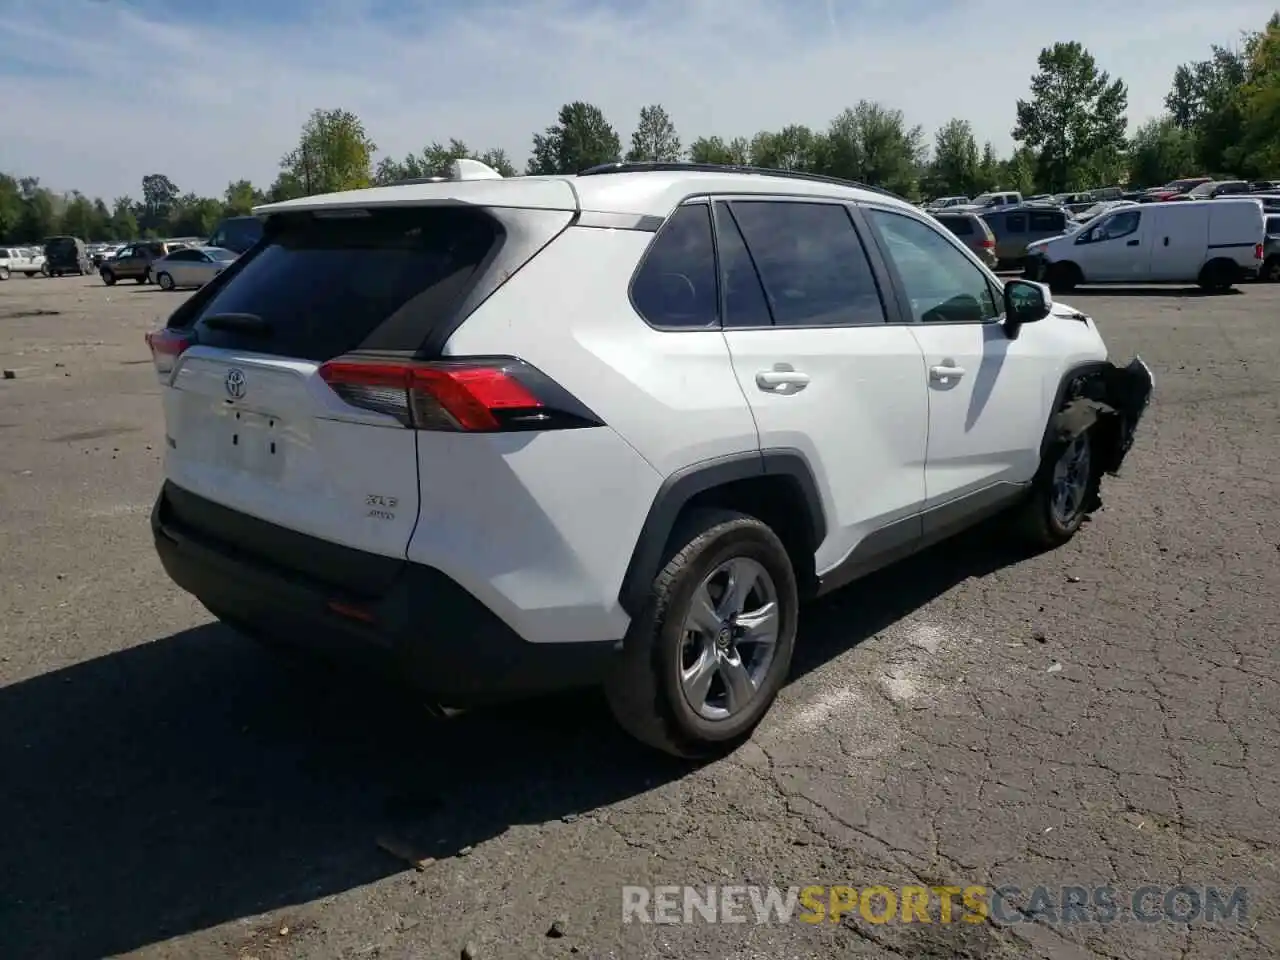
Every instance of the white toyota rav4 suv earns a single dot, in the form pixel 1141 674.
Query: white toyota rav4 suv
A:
pixel 506 437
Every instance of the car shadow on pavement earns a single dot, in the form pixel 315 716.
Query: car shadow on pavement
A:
pixel 196 779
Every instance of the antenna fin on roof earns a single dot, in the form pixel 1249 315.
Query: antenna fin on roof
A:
pixel 463 169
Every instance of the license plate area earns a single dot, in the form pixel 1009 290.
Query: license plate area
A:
pixel 255 444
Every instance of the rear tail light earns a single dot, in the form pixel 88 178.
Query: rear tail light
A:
pixel 481 395
pixel 988 244
pixel 166 346
pixel 1259 251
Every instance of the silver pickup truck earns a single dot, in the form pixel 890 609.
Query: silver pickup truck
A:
pixel 14 260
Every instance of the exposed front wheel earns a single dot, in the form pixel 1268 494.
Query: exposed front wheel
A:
pixel 704 661
pixel 4 273
pixel 1063 493
pixel 108 278
pixel 165 281
pixel 1064 277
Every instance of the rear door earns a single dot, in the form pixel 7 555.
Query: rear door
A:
pixel 252 425
pixel 820 365
pixel 1180 241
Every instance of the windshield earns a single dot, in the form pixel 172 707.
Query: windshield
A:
pixel 222 256
pixel 1203 190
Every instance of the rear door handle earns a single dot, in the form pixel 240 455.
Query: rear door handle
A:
pixel 782 380
pixel 1132 243
pixel 945 373
pixel 1166 241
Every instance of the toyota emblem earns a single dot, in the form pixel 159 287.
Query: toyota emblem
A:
pixel 235 384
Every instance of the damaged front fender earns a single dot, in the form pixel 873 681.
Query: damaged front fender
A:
pixel 1110 400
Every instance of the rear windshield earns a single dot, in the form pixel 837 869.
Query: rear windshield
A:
pixel 321 287
pixel 238 233
pixel 960 226
pixel 1273 224
pixel 60 243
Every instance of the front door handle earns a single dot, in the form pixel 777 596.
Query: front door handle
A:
pixel 945 373
pixel 782 379
pixel 1166 241
pixel 1132 243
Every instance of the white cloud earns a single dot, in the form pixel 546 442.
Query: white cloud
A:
pixel 107 94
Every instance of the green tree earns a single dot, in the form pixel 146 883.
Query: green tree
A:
pixel 497 158
pixel 124 222
pixel 1076 113
pixel 580 138
pixel 77 219
pixel 240 198
pixel 795 147
pixel 872 143
pixel 1019 171
pixel 655 137
pixel 39 217
pixel 10 207
pixel 159 194
pixel 333 154
pixel 1161 150
pixel 736 152
pixel 287 186
pixel 990 170
pixel 955 159
pixel 1257 151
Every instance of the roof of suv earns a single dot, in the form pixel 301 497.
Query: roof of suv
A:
pixel 641 192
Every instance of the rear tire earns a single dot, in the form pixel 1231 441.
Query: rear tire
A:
pixel 142 279
pixel 1271 269
pixel 1063 494
pixel 1064 277
pixel 165 281
pixel 1218 276
pixel 4 273
pixel 108 278
pixel 741 642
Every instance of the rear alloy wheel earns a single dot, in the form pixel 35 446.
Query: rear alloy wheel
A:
pixel 165 281
pixel 704 661
pixel 4 273
pixel 1063 494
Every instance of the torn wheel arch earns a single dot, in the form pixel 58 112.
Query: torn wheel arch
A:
pixel 1107 398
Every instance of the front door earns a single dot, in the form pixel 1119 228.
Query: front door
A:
pixel 984 390
pixel 822 369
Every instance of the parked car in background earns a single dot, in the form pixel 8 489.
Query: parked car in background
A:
pixel 66 255
pixel 1214 243
pixel 1098 209
pixel 1271 251
pixel 1217 188
pixel 17 261
pixel 1264 186
pixel 236 233
pixel 1015 227
pixel 996 200
pixel 1176 187
pixel 191 266
pixel 1270 201
pixel 133 262
pixel 36 256
pixel 943 203
pixel 973 232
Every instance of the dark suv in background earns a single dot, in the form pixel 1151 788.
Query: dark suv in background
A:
pixel 66 255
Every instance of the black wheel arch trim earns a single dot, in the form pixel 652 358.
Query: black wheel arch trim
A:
pixel 685 484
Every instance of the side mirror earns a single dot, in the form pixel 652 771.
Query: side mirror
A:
pixel 1024 302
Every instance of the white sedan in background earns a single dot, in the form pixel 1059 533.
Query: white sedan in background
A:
pixel 191 266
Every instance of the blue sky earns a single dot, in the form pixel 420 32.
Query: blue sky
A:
pixel 101 92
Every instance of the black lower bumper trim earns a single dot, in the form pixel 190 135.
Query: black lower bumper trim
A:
pixel 423 630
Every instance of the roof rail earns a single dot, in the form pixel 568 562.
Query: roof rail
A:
pixel 410 181
pixel 667 166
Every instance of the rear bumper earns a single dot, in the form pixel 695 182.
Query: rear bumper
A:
pixel 421 629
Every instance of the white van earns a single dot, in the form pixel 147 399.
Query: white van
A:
pixel 1214 243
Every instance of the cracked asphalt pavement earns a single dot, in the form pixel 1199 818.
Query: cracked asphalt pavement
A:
pixel 1105 714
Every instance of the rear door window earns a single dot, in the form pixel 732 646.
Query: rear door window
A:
pixel 1273 224
pixel 811 263
pixel 324 286
pixel 1016 223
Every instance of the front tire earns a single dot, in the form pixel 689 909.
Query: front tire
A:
pixel 108 278
pixel 1064 277
pixel 165 281
pixel 1064 493
pixel 4 273
pixel 706 658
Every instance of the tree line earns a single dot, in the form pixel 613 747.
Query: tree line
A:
pixel 1070 133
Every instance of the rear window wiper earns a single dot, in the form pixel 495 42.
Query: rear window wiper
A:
pixel 249 323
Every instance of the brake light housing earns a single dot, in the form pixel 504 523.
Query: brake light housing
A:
pixel 166 346
pixel 1259 251
pixel 465 395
